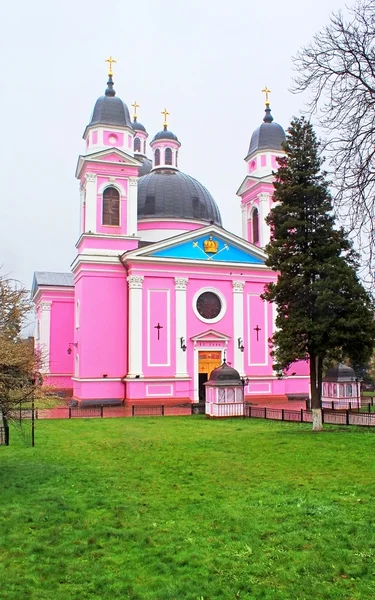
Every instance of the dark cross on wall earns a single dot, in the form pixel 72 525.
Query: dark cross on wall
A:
pixel 158 327
pixel 257 329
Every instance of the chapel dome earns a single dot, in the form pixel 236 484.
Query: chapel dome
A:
pixel 170 194
pixel 110 109
pixel 340 372
pixel 269 136
pixel 225 375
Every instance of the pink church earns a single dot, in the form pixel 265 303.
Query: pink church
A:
pixel 159 292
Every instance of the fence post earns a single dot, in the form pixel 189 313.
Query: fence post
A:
pixel 101 410
pixel 249 411
pixel 133 410
pixel 347 417
pixel 332 405
pixel 282 414
pixel 70 412
pixel 265 412
pixel 322 415
pixel 162 410
pixel 6 432
pixel 301 415
pixel 369 407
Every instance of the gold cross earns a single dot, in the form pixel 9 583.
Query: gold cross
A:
pixel 266 91
pixel 110 60
pixel 135 105
pixel 165 113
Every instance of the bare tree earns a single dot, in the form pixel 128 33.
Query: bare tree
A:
pixel 338 70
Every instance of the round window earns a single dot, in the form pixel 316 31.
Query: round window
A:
pixel 208 305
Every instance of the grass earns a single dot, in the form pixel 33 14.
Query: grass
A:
pixel 187 508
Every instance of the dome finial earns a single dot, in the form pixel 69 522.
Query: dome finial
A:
pixel 266 91
pixel 110 91
pixel 135 106
pixel 165 113
pixel 110 60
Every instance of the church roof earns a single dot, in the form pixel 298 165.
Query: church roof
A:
pixel 50 278
pixel 224 375
pixel 165 134
pixel 269 136
pixel 340 372
pixel 170 194
pixel 146 165
pixel 110 109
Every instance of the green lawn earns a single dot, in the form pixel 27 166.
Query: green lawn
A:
pixel 187 508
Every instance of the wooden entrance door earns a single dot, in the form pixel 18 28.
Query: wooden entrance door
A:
pixel 207 362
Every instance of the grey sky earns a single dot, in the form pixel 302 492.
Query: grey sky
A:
pixel 206 61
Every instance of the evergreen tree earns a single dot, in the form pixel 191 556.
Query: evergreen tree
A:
pixel 323 311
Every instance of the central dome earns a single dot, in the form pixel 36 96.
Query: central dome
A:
pixel 170 194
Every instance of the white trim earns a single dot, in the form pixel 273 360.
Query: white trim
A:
pixel 223 301
pixel 45 308
pixel 181 325
pixel 264 331
pixel 115 184
pixel 268 391
pixel 77 311
pixel 88 379
pixel 167 328
pixel 238 324
pixel 135 309
pixel 144 379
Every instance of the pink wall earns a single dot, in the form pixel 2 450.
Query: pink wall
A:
pixel 101 337
pixel 62 332
pixel 118 138
pixel 158 307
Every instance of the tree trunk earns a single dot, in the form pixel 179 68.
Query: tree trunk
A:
pixel 316 363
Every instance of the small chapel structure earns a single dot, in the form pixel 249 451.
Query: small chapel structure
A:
pixel 160 291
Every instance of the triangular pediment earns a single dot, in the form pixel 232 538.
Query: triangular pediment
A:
pixel 109 155
pixel 252 180
pixel 209 244
pixel 210 336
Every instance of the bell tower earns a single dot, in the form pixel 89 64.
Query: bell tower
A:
pixel 256 190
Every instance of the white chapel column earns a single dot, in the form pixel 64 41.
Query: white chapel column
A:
pixel 135 283
pixel 264 209
pixel 132 206
pixel 91 208
pixel 238 328
pixel 45 335
pixel 181 329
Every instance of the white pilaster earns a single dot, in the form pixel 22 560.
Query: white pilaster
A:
pixel 238 328
pixel 244 221
pixel 45 335
pixel 135 283
pixel 181 329
pixel 132 206
pixel 264 207
pixel 91 203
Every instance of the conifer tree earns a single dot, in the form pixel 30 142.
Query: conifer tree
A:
pixel 323 311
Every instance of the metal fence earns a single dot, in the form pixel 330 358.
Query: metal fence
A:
pixel 337 417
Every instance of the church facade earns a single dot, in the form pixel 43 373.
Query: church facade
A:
pixel 159 292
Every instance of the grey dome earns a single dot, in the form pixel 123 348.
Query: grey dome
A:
pixel 110 110
pixel 269 136
pixel 146 165
pixel 165 135
pixel 170 194
pixel 138 126
pixel 225 375
pixel 340 373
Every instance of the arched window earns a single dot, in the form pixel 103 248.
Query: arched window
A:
pixel 168 156
pixel 157 157
pixel 137 144
pixel 111 207
pixel 176 158
pixel 144 147
pixel 255 218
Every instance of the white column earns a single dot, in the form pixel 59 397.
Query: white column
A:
pixel 91 202
pixel 238 328
pixel 45 335
pixel 181 329
pixel 132 206
pixel 244 221
pixel 135 283
pixel 264 208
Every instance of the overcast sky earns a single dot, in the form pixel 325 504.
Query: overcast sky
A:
pixel 205 61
